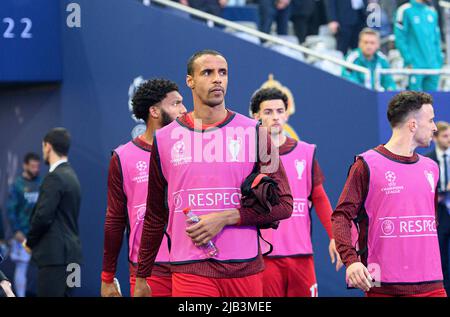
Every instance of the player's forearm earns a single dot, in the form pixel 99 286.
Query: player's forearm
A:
pixel 341 226
pixel 283 210
pixel 113 237
pixel 323 208
pixel 152 236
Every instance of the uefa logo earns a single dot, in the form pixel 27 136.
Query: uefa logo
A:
pixel 141 213
pixel 387 227
pixel 178 201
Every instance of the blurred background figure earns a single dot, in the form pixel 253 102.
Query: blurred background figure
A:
pixel 274 10
pixel 307 16
pixel 346 19
pixel 368 55
pixel 441 155
pixel 418 38
pixel 22 198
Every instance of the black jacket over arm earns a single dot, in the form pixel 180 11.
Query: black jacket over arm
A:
pixel 54 235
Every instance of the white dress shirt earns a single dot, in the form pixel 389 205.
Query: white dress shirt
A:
pixel 56 164
pixel 440 157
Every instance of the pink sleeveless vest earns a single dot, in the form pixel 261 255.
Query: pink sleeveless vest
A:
pixel 204 171
pixel 293 236
pixel 134 162
pixel 402 239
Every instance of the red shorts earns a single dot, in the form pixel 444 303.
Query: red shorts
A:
pixel 161 285
pixel 290 277
pixel 436 293
pixel 189 285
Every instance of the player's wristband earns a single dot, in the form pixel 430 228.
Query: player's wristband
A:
pixel 108 277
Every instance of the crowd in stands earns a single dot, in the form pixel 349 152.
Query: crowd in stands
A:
pixel 370 33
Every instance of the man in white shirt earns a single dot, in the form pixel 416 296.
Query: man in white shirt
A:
pixel 441 155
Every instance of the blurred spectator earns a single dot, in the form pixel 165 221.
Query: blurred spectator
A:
pixel 368 55
pixel 418 38
pixel 23 195
pixel 209 6
pixel 274 10
pixel 307 16
pixel 346 19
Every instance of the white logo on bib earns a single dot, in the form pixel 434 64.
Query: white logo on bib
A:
pixel 234 146
pixel 300 167
pixel 141 166
pixel 387 227
pixel 390 177
pixel 430 178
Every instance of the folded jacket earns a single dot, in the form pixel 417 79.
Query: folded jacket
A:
pixel 259 192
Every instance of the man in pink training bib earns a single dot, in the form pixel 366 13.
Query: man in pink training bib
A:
pixel 391 195
pixel 158 103
pixel 290 266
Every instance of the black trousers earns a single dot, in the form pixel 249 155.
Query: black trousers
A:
pixel 304 25
pixel 444 238
pixel 52 282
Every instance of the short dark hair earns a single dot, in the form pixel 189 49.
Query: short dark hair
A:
pixel 31 156
pixel 193 58
pixel 59 138
pixel 402 104
pixel 149 93
pixel 265 94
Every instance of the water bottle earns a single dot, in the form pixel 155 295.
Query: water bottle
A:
pixel 209 248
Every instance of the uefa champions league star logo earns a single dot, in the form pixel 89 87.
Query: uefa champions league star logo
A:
pixel 387 227
pixel 234 146
pixel 430 178
pixel 141 166
pixel 300 167
pixel 390 177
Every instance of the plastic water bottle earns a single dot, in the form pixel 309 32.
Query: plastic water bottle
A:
pixel 209 248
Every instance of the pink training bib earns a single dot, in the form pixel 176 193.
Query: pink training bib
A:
pixel 134 162
pixel 402 239
pixel 293 236
pixel 204 171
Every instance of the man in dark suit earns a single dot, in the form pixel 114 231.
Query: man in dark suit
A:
pixel 441 155
pixel 303 13
pixel 54 236
pixel 346 18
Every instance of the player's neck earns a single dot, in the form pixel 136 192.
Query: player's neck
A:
pixel 278 139
pixel 209 115
pixel 402 145
pixel 147 137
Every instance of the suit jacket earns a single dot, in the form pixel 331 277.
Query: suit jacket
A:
pixel 342 12
pixel 443 217
pixel 432 155
pixel 54 235
pixel 303 7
